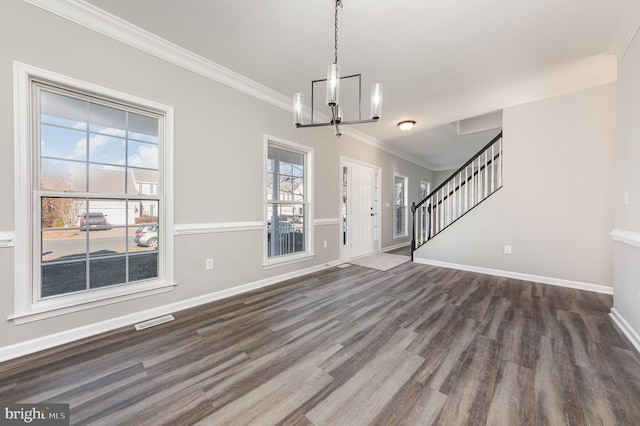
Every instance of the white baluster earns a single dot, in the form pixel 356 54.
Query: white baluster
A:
pixel 500 163
pixel 459 194
pixel 493 169
pixel 466 188
pixel 486 175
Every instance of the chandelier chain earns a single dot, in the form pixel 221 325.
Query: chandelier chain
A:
pixel 335 59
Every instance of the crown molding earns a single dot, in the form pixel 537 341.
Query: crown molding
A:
pixel 96 19
pixel 626 31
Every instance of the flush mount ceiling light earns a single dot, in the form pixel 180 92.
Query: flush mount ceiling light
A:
pixel 333 92
pixel 406 125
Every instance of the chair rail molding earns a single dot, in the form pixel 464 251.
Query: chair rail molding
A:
pixel 6 239
pixel 211 228
pixel 626 237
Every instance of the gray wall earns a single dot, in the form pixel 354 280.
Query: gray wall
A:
pixel 627 217
pixel 440 176
pixel 555 206
pixel 218 137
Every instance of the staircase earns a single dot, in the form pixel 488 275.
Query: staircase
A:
pixel 470 185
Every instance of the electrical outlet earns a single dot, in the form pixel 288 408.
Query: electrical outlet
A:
pixel 324 244
pixel 209 264
pixel 507 249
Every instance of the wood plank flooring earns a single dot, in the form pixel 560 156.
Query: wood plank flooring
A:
pixel 415 345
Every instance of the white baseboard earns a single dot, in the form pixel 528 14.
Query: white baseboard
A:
pixel 626 328
pixel 35 345
pixel 520 276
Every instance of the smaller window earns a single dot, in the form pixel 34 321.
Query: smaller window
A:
pixel 399 206
pixel 288 203
pixel 344 205
pixel 425 190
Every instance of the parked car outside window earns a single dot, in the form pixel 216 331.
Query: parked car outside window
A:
pixel 94 220
pixel 147 235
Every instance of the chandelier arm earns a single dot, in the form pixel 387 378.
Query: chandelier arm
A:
pixel 333 79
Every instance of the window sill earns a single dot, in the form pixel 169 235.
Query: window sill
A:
pixel 62 305
pixel 287 260
pixel 397 237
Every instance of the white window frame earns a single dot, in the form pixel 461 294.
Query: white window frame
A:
pixel 26 307
pixel 405 232
pixel 308 202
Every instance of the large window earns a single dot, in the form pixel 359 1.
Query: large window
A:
pixel 399 206
pixel 95 167
pixel 287 195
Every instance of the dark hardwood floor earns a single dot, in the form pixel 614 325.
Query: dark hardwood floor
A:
pixel 415 345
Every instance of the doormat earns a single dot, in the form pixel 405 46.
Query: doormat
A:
pixel 380 261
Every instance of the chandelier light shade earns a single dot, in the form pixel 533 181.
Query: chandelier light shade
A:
pixel 298 109
pixel 376 101
pixel 406 125
pixel 333 94
pixel 333 84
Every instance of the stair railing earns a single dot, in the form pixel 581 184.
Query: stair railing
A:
pixel 471 184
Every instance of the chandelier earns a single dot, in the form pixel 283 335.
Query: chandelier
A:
pixel 333 93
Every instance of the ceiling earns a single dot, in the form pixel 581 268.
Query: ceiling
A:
pixel 439 61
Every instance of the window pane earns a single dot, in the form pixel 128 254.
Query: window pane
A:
pixel 143 155
pixel 60 213
pixel 107 149
pixel 284 188
pixel 142 127
pixel 144 235
pixel 143 267
pixel 107 242
pixel 285 229
pixel 297 170
pixel 63 244
pixel 400 220
pixel 57 142
pixel 270 186
pixel 57 175
pixel 146 181
pixel 108 179
pixel 285 168
pixel 297 189
pixel 105 272
pixel 107 120
pixel 63 110
pixel 63 278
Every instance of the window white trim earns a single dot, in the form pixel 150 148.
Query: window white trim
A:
pixel 25 308
pixel 308 194
pixel 405 232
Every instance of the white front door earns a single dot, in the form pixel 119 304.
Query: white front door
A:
pixel 362 226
